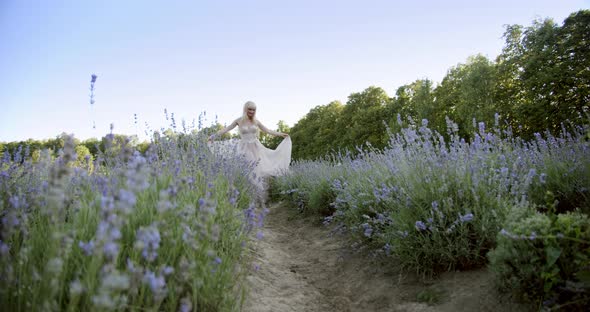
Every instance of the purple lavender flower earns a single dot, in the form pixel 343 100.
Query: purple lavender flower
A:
pixel 88 248
pixel 107 203
pixel 18 155
pixel 131 267
pixel 336 184
pixel 543 178
pixel 157 283
pixel 15 202
pixel 185 305
pixel 250 216
pixel 533 236
pixel 420 226
pixel 434 205
pixel 111 250
pixel 504 171
pixel 102 230
pixel 466 218
pixel 127 197
pixel 509 235
pixel 532 173
pixel 115 233
pixel 10 220
pixel 149 239
pixel 387 249
pixel 368 231
pixel 93 78
pixel 167 270
pixel 482 127
pixel 4 248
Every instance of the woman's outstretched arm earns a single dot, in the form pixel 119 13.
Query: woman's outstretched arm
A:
pixel 224 130
pixel 271 132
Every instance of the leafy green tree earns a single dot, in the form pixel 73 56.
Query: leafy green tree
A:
pixel 574 54
pixel 272 141
pixel 539 77
pixel 544 73
pixel 509 92
pixel 33 145
pixel 363 119
pixel 142 147
pixel 315 134
pixel 465 94
pixel 113 146
pixel 36 155
pixel 93 145
pixel 84 157
pixel 207 131
pixel 415 100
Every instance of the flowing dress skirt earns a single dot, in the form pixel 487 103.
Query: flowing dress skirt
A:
pixel 268 162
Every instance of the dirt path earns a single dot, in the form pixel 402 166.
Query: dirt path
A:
pixel 303 267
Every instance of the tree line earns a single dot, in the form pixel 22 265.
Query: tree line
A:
pixel 86 150
pixel 540 80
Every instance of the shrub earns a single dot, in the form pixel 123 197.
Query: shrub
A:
pixel 545 259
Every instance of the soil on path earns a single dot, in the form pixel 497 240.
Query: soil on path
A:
pixel 303 266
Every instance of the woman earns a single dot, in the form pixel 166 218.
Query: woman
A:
pixel 268 162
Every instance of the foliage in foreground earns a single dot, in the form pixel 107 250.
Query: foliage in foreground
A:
pixel 162 231
pixel 545 258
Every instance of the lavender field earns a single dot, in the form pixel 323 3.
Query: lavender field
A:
pixel 171 229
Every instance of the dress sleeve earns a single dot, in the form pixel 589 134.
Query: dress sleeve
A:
pixel 266 130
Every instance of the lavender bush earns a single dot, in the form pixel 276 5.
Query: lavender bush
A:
pixel 164 231
pixel 437 204
pixel 308 186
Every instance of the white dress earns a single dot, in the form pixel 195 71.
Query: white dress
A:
pixel 268 162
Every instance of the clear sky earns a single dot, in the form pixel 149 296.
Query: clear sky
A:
pixel 194 56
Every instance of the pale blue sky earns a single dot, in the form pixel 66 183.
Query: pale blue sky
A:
pixel 193 56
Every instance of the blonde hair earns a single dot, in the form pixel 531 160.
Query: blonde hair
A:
pixel 248 105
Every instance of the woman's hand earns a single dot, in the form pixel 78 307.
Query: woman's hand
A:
pixel 284 135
